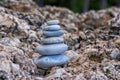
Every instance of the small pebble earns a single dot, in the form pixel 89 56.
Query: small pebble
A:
pixel 53 22
pixel 77 46
pixel 50 61
pixel 82 35
pixel 117 41
pixel 51 28
pixel 15 67
pixel 72 55
pixel 115 54
pixel 38 78
pixel 52 40
pixel 53 33
pixel 52 49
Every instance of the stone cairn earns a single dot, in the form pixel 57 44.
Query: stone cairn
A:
pixel 52 48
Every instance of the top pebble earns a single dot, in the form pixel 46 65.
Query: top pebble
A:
pixel 53 22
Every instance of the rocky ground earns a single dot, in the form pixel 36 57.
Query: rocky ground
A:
pixel 93 39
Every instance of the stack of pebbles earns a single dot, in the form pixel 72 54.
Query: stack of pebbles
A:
pixel 52 48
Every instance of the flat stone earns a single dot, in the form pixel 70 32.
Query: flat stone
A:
pixel 52 40
pixel 53 22
pixel 51 28
pixel 50 61
pixel 52 49
pixel 53 33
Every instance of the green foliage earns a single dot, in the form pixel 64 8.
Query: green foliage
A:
pixel 76 5
pixel 1 0
pixel 95 5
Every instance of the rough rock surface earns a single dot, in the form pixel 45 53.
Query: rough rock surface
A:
pixel 91 35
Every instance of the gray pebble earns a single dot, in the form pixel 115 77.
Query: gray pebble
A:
pixel 51 28
pixel 115 54
pixel 50 61
pixel 52 49
pixel 53 22
pixel 52 40
pixel 53 33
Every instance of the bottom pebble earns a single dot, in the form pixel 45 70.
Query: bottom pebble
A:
pixel 50 61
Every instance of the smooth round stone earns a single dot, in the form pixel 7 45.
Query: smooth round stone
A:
pixel 52 40
pixel 53 22
pixel 51 28
pixel 52 49
pixel 53 33
pixel 50 61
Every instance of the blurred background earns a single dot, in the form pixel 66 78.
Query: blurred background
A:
pixel 80 6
